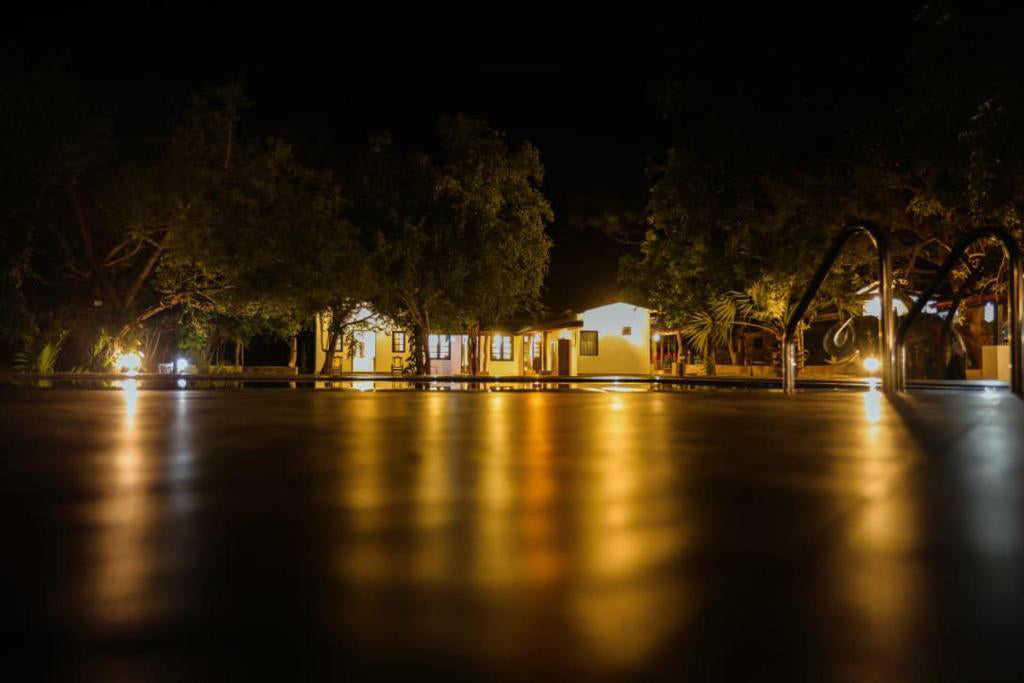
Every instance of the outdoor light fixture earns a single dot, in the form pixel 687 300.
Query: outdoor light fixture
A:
pixel 180 365
pixel 990 312
pixel 129 363
pixel 657 337
pixel 871 364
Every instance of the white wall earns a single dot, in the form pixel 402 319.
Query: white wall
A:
pixel 618 354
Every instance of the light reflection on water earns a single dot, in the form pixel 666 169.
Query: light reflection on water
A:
pixel 485 493
pixel 882 591
pixel 505 504
pixel 120 593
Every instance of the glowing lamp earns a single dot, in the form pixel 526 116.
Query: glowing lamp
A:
pixel 871 364
pixel 657 337
pixel 180 365
pixel 129 363
pixel 990 312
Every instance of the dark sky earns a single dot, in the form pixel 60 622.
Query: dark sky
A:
pixel 577 84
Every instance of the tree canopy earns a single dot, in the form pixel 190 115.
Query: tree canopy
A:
pixel 918 132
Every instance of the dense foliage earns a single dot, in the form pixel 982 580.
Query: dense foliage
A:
pixel 204 237
pixel 920 132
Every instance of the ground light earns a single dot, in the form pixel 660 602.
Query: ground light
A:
pixel 871 364
pixel 129 363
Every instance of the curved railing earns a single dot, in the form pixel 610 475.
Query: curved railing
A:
pixel 887 319
pixel 1015 300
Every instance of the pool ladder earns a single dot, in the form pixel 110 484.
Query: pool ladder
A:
pixel 893 340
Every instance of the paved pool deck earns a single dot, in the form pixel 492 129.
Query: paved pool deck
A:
pixel 589 535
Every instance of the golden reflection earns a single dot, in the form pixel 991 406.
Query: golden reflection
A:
pixel 542 560
pixel 633 523
pixel 484 499
pixel 130 392
pixel 121 593
pixel 873 405
pixel 873 577
pixel 494 559
pixel 434 559
pixel 363 451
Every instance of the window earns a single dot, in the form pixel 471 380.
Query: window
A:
pixel 398 342
pixel 588 342
pixel 440 347
pixel 627 331
pixel 501 347
pixel 337 343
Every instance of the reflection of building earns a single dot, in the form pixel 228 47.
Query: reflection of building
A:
pixel 613 339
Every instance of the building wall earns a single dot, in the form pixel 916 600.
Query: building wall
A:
pixel 617 353
pixel 502 367
pixel 995 362
pixel 382 342
pixel 385 356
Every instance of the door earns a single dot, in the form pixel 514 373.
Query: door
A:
pixel 563 357
pixel 365 351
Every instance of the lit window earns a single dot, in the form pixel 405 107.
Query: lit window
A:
pixel 337 343
pixel 440 347
pixel 627 331
pixel 398 342
pixel 501 347
pixel 990 312
pixel 588 342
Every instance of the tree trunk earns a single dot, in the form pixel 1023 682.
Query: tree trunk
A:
pixel 293 357
pixel 733 353
pixel 421 352
pixel 332 343
pixel 474 349
pixel 800 360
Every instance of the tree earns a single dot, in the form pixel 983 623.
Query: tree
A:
pixel 455 240
pixel 924 142
pixel 49 135
pixel 493 205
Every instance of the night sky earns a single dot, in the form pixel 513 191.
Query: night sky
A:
pixel 580 86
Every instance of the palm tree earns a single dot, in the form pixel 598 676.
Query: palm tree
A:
pixel 765 306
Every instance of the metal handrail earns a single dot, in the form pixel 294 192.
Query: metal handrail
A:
pixel 887 319
pixel 1015 300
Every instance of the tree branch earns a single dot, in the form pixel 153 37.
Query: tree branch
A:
pixel 101 276
pixel 147 267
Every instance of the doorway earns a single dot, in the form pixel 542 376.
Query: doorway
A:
pixel 563 358
pixel 364 351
